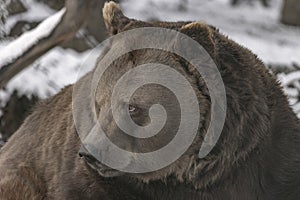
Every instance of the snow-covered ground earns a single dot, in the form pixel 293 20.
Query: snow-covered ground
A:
pixel 255 27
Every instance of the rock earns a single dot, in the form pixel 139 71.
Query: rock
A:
pixel 265 3
pixel 20 27
pixel 15 7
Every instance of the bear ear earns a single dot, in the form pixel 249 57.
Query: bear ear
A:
pixel 114 18
pixel 203 34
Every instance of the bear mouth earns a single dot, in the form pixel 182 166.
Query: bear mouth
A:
pixel 105 171
pixel 102 169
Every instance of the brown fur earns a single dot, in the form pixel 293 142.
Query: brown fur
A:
pixel 256 158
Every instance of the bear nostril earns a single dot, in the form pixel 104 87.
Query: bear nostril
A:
pixel 83 153
pixel 89 158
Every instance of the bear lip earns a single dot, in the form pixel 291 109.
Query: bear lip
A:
pixel 102 169
pixel 109 172
pixel 105 171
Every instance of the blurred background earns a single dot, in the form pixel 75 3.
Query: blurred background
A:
pixel 43 42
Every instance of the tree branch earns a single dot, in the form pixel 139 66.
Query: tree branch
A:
pixel 74 18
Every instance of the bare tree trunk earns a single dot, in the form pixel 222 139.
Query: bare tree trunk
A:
pixel 77 13
pixel 291 12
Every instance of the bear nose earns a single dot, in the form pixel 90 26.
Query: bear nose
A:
pixel 87 156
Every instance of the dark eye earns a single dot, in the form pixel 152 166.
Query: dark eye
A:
pixel 132 109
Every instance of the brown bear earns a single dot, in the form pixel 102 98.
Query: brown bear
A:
pixel 256 157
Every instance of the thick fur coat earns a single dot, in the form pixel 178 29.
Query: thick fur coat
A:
pixel 256 158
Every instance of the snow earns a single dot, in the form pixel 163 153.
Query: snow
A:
pixel 16 48
pixel 255 27
pixel 47 75
pixel 35 12
pixel 289 78
pixel 291 86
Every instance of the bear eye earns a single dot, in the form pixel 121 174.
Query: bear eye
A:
pixel 132 108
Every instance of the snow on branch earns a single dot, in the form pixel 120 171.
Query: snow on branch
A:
pixel 55 30
pixel 18 47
